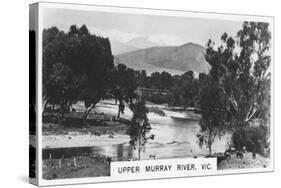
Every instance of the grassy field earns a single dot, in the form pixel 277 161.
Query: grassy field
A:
pixel 84 166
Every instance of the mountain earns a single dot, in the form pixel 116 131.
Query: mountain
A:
pixel 119 47
pixel 141 43
pixel 173 59
pixel 136 43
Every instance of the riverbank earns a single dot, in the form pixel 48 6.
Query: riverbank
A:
pixel 75 139
pixel 246 162
pixel 100 130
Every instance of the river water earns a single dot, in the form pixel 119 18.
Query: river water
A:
pixel 175 137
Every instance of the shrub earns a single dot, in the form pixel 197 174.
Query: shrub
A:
pixel 255 139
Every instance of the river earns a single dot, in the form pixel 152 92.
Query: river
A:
pixel 175 137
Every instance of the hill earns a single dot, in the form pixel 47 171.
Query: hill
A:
pixel 136 43
pixel 173 59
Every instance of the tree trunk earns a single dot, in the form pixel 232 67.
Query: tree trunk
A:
pixel 131 100
pixel 210 150
pixel 62 114
pixel 119 110
pixel 118 113
pixel 87 112
pixel 139 149
pixel 62 106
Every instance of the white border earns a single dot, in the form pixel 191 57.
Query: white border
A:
pixel 132 10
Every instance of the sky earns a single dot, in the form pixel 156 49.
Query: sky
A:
pixel 122 27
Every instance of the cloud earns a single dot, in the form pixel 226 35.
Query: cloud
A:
pixel 114 34
pixel 162 39
pixel 121 36
pixel 165 39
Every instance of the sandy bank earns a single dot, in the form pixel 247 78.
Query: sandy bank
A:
pixel 76 139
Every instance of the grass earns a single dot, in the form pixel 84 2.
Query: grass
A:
pixel 86 166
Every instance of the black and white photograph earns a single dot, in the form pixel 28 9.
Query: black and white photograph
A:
pixel 130 86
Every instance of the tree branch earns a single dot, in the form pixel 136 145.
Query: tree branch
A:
pixel 231 99
pixel 251 114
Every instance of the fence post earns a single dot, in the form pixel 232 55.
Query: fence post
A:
pixel 74 162
pixel 59 163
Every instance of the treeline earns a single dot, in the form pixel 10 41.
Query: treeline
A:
pixel 183 90
pixel 78 66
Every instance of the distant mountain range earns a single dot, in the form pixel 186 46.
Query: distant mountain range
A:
pixel 131 45
pixel 173 59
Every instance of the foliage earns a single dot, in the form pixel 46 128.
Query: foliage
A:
pixel 183 89
pixel 124 83
pixel 139 126
pixel 214 113
pixel 253 138
pixel 240 69
pixel 76 66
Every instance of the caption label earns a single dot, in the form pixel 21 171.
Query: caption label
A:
pixel 163 168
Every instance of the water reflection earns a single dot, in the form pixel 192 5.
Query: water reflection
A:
pixel 174 138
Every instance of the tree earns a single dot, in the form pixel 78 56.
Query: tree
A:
pixel 156 80
pixel 139 127
pixel 142 78
pixel 166 80
pixel 161 80
pixel 123 85
pixel 64 86
pixel 254 81
pixel 240 69
pixel 185 89
pixel 61 85
pixel 80 64
pixel 91 56
pixel 214 113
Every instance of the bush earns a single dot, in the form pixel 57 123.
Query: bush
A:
pixel 253 138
